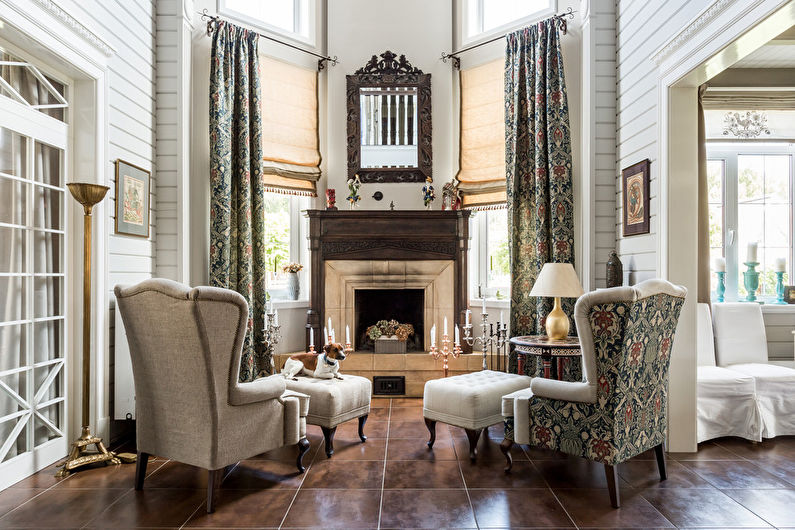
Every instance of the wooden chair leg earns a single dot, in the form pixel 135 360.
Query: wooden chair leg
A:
pixel 214 478
pixel 431 424
pixel 473 436
pixel 140 470
pixel 659 451
pixel 303 447
pixel 611 472
pixel 505 447
pixel 362 421
pixel 328 437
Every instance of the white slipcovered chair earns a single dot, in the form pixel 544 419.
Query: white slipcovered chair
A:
pixel 741 346
pixel 726 404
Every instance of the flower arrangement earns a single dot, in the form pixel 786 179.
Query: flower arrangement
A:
pixel 428 195
pixel 387 328
pixel 292 267
pixel 353 187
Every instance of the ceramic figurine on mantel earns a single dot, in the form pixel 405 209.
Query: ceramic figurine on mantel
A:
pixel 353 188
pixel 428 195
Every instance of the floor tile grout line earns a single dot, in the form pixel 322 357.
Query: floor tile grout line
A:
pixel 532 463
pixel 748 508
pixel 386 453
pixel 466 491
pixel 303 478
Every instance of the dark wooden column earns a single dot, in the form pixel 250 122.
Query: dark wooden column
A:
pixel 404 235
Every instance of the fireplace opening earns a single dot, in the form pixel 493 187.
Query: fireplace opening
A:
pixel 407 306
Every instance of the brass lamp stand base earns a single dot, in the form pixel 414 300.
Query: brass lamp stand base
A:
pixel 79 456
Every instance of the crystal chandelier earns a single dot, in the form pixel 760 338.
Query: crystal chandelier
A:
pixel 748 125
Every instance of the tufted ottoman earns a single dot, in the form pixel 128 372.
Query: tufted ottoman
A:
pixel 335 401
pixel 471 401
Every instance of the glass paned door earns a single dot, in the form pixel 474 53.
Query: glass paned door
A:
pixel 32 289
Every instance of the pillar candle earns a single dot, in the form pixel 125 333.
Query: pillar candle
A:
pixel 311 336
pixel 325 334
pixel 347 334
pixel 329 323
pixel 445 326
pixel 781 264
pixel 719 264
pixel 468 312
pixel 276 317
pixel 333 336
pixel 752 248
pixel 502 317
pixel 433 336
pixel 484 305
pixel 457 336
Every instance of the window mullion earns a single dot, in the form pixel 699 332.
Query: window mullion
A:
pixel 731 213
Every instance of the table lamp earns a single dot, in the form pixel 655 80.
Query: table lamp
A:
pixel 557 280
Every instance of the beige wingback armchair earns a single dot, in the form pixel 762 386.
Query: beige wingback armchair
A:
pixel 185 346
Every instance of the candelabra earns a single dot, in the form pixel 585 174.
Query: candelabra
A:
pixel 445 352
pixel 720 290
pixel 751 280
pixel 272 334
pixel 488 337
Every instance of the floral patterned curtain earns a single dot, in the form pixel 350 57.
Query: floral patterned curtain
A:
pixel 237 194
pixel 538 168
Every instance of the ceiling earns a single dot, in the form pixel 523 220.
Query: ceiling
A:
pixel 778 53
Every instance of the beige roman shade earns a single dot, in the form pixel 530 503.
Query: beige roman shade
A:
pixel 481 177
pixel 289 128
pixel 717 99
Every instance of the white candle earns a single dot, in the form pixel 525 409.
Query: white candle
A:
pixel 311 336
pixel 445 326
pixel 347 334
pixel 719 264
pixel 325 334
pixel 502 319
pixel 433 336
pixel 781 264
pixel 276 317
pixel 333 336
pixel 468 312
pixel 752 248
pixel 484 305
pixel 329 323
pixel 457 337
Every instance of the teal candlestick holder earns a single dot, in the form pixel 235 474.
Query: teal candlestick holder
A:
pixel 780 288
pixel 720 290
pixel 751 280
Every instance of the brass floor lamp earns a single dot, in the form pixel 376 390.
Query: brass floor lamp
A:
pixel 88 195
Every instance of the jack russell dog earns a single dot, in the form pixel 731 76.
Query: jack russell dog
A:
pixel 323 365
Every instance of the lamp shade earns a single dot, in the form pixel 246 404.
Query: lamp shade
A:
pixel 557 279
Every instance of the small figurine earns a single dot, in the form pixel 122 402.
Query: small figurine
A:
pixel 451 197
pixel 331 199
pixel 353 187
pixel 391 205
pixel 428 195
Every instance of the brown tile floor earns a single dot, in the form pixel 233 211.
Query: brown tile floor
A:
pixel 393 481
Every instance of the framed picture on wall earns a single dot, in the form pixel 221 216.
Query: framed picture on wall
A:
pixel 132 199
pixel 635 195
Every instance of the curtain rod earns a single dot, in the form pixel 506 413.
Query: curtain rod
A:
pixel 212 21
pixel 457 60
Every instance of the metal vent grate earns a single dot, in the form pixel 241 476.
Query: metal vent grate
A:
pixel 389 385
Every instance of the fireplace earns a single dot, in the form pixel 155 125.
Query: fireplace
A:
pixel 407 306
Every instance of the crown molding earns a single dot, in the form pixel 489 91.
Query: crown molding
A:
pixel 76 26
pixel 709 14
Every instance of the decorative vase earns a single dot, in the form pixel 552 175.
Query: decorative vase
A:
pixel 615 270
pixel 293 285
pixel 331 199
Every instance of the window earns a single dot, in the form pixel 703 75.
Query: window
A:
pixel 486 17
pixel 294 18
pixel 285 229
pixel 491 265
pixel 750 196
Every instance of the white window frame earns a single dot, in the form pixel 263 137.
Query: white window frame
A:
pixel 728 152
pixel 299 251
pixel 479 261
pixel 482 35
pixel 310 39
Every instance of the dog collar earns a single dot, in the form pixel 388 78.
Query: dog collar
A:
pixel 332 362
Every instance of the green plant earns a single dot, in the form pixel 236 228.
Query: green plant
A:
pixel 388 328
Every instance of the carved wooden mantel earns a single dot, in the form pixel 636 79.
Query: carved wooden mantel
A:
pixel 407 235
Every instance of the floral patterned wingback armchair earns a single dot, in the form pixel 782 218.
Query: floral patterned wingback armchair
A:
pixel 619 410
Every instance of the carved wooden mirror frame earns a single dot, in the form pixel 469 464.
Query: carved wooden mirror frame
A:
pixel 390 70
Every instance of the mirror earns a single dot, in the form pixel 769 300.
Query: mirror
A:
pixel 389 121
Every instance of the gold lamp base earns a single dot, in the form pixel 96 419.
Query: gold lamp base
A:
pixel 557 322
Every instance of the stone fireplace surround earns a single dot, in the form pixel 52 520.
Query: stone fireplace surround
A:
pixel 384 249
